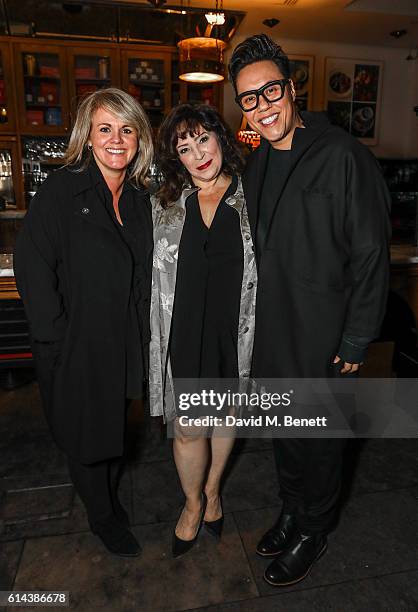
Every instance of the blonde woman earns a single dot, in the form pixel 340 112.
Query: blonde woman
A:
pixel 83 269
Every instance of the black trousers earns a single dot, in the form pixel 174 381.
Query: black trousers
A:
pixel 97 485
pixel 309 472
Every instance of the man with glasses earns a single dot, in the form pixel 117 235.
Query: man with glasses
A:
pixel 318 207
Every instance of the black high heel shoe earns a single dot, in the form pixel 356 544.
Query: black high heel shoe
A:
pixel 215 527
pixel 180 547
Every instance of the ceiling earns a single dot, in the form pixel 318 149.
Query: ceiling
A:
pixel 350 21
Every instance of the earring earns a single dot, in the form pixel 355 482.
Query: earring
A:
pixel 90 147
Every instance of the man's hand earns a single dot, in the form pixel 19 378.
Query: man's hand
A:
pixel 348 367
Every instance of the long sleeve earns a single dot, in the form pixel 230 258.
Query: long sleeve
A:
pixel 368 228
pixel 36 263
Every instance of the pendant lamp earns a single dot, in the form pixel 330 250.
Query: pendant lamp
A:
pixel 248 136
pixel 201 59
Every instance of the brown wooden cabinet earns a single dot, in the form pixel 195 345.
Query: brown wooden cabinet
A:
pixel 90 68
pixel 146 75
pixel 41 82
pixel 7 91
pixel 42 92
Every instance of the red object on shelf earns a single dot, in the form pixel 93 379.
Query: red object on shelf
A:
pixel 16 356
pixel 207 95
pixel 2 92
pixel 86 88
pixel 49 71
pixel 85 73
pixel 35 117
pixel 49 91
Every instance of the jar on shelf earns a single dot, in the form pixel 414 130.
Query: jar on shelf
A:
pixel 30 62
pixel 103 68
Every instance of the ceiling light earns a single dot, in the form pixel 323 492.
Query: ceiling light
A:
pixel 201 59
pixel 215 18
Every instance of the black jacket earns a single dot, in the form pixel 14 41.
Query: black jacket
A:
pixel 324 268
pixel 75 274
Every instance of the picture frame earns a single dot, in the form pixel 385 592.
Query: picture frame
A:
pixel 352 96
pixel 302 74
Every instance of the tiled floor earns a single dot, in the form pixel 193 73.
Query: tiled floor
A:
pixel 45 544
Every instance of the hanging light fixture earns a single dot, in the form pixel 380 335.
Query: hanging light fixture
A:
pixel 201 57
pixel 248 136
pixel 218 17
pixel 215 18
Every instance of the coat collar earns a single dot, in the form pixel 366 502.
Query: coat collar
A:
pixel 187 191
pixel 315 125
pixel 92 197
pixel 91 176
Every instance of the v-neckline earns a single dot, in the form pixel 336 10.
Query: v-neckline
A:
pixel 208 227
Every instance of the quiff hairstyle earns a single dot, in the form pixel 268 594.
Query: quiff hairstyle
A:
pixel 125 108
pixel 257 48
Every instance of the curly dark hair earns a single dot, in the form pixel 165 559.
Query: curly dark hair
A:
pixel 257 48
pixel 187 119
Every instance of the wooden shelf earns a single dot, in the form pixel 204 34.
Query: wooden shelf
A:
pixel 38 77
pixel 80 80
pixel 68 57
pixel 8 289
pixel 147 82
pixel 42 105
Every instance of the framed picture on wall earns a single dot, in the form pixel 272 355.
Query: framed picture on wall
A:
pixel 301 71
pixel 352 96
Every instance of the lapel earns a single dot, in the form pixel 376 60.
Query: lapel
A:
pixel 143 210
pixel 303 139
pixel 252 180
pixel 89 198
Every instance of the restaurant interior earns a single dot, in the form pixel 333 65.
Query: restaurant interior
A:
pixel 356 60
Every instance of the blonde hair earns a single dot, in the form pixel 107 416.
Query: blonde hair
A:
pixel 125 108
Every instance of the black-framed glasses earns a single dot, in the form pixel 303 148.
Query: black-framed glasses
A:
pixel 271 92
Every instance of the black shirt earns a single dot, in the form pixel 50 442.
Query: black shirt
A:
pixel 278 165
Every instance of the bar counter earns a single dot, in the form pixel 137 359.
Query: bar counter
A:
pixel 404 276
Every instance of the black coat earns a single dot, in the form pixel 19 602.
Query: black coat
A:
pixel 75 273
pixel 324 269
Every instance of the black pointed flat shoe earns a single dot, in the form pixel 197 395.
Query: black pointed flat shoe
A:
pixel 181 547
pixel 275 540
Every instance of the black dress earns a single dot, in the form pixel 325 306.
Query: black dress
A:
pixel 204 330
